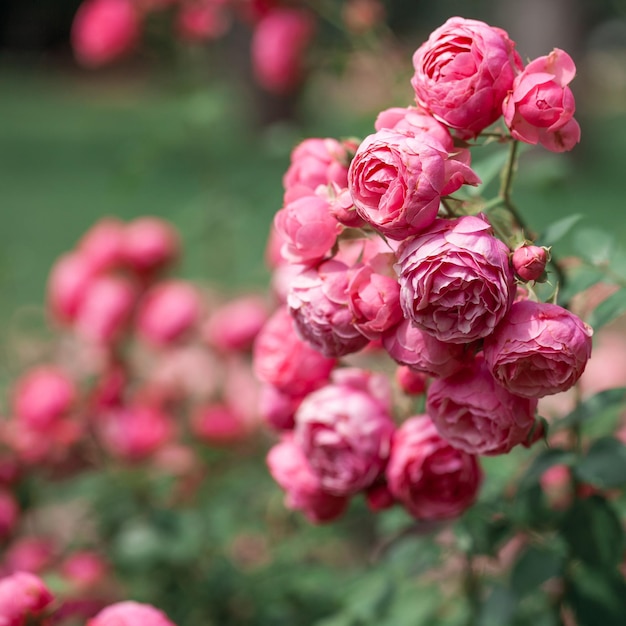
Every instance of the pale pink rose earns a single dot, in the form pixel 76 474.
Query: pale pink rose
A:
pixel 374 300
pixel 105 309
pixel 345 433
pixel 168 311
pixel 102 244
pixel 29 554
pixel 607 366
pixel 316 162
pixel 279 43
pixel 456 281
pixel 414 120
pixel 104 30
pixel 277 408
pixel 235 324
pixel 529 262
pixel 149 244
pixel 218 424
pixel 273 255
pixel 463 73
pixel 289 467
pixel 318 303
pixel 84 569
pixel 202 20
pixel 282 359
pixel 341 206
pixel 308 229
pixel 539 349
pixel 411 382
pixel 9 513
pixel 130 614
pixel 540 107
pixel 135 432
pixel 433 480
pixel 22 595
pixel 43 395
pixel 408 345
pixel 397 180
pixel 68 281
pixel 477 415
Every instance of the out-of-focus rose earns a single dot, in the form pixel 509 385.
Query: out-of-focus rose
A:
pixel 433 480
pixel 29 554
pixel 556 484
pixel 360 16
pixel 103 243
pixel 375 384
pixel 539 349
pixel 290 468
pixel 456 281
pixel 42 396
pixel 202 20
pixel 84 569
pixel 411 382
pixel 345 434
pixel 68 281
pixel 279 43
pixel 424 353
pixel 540 108
pixel 378 497
pixel 218 424
pixel 463 73
pixel 277 408
pixel 282 359
pixel 397 180
pixel 9 513
pixel 318 303
pixel 130 613
pixel 607 366
pixel 475 414
pixel 104 30
pixel 22 595
pixel 529 262
pixel 412 121
pixel 168 311
pixel 149 244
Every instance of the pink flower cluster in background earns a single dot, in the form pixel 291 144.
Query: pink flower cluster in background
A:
pixel 372 265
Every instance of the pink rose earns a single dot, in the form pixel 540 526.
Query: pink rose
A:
pixel 540 107
pixel 456 281
pixel 22 595
pixel 463 73
pixel 529 262
pixel 318 303
pixel 477 415
pixel 149 244
pixel 424 353
pixel 84 569
pixel 433 480
pixel 308 229
pixel 218 424
pixel 29 554
pixel 409 381
pixel 342 208
pixel 412 121
pixel 289 467
pixel 282 359
pixel 397 180
pixel 103 244
pixel 104 30
pixel 539 349
pixel 130 614
pixel 202 20
pixel 345 434
pixel 279 43
pixel 278 408
pixel 69 279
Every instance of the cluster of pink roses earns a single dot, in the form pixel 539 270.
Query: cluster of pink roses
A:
pixel 368 258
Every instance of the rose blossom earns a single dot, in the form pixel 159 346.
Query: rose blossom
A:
pixel 201 20
pixel 432 479
pixel 218 424
pixel 540 107
pixel 422 352
pixel 130 614
pixel 68 281
pixel 456 282
pixel 289 467
pixel 463 73
pixel 345 434
pixel 539 349
pixel 29 554
pixel 413 120
pixel 411 382
pixel 149 244
pixel 282 359
pixel 476 414
pixel 277 408
pixel 84 569
pixel 102 244
pixel 22 595
pixel 397 180
pixel 318 302
pixel 529 262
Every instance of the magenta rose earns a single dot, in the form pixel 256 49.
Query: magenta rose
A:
pixel 476 414
pixel 539 349
pixel 130 613
pixel 290 468
pixel 408 345
pixel 433 480
pixel 318 302
pixel 463 73
pixel 345 434
pixel 397 179
pixel 540 108
pixel 456 281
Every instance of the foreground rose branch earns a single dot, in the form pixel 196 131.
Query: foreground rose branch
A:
pixel 421 324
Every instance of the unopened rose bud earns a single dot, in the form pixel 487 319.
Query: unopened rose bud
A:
pixel 529 262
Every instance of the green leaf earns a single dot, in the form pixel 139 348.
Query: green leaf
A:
pixel 498 608
pixel 543 462
pixel 593 407
pixel 579 279
pixel 594 532
pixel 557 230
pixel 604 465
pixel 609 309
pixel 594 245
pixel 534 567
pixel 488 169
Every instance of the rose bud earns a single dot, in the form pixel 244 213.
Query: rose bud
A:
pixel 130 614
pixel 102 244
pixel 69 279
pixel 529 262
pixel 149 244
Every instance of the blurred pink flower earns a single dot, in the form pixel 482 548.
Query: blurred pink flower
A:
pixel 22 595
pixel 149 244
pixel 130 613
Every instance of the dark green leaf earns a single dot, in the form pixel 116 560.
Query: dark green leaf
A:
pixel 498 608
pixel 593 407
pixel 594 245
pixel 534 567
pixel 604 465
pixel 579 279
pixel 557 230
pixel 608 310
